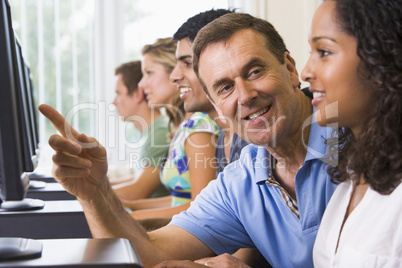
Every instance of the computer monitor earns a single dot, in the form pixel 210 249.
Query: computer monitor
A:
pixel 32 108
pixel 26 111
pixel 16 132
pixel 16 137
pixel 11 153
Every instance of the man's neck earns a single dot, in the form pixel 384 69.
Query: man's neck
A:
pixel 228 141
pixel 291 152
pixel 214 116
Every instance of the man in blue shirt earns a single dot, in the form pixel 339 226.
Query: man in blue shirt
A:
pixel 272 198
pixel 276 195
pixel 243 209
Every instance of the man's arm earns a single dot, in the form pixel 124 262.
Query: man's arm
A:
pixel 148 203
pixel 80 166
pixel 153 224
pixel 199 148
pixel 142 187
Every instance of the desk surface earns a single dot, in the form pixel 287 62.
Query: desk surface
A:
pixel 51 207
pixel 57 219
pixel 112 252
pixel 49 186
pixel 51 191
pixel 43 176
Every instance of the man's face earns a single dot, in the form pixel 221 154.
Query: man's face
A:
pixel 249 86
pixel 194 97
pixel 124 103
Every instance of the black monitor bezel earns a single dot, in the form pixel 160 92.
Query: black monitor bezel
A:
pixel 30 158
pixel 32 107
pixel 11 153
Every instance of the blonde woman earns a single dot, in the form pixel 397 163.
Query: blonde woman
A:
pixel 186 170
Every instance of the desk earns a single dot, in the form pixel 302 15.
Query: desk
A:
pixel 105 253
pixel 52 191
pixel 58 219
pixel 46 177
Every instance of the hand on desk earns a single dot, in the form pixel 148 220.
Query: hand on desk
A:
pixel 221 261
pixel 80 162
pixel 179 264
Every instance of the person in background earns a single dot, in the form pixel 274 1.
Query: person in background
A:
pixel 184 75
pixel 158 62
pixel 132 105
pixel 187 168
pixel 193 95
pixel 355 74
pixel 273 199
pixel 165 94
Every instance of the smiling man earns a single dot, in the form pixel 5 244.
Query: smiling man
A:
pixel 191 91
pixel 272 198
pixel 183 75
pixel 229 144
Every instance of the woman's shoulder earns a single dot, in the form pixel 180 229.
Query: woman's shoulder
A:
pixel 201 122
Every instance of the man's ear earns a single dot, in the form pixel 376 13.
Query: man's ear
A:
pixel 220 114
pixel 139 95
pixel 291 67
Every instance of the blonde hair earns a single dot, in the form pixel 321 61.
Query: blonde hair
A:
pixel 163 52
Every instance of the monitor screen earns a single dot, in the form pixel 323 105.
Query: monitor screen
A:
pixel 16 131
pixel 24 112
pixel 16 143
pixel 32 108
pixel 11 154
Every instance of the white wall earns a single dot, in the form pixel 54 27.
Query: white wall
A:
pixel 290 17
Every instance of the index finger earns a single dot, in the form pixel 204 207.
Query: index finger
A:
pixel 58 121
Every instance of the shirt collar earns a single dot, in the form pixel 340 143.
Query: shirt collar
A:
pixel 316 149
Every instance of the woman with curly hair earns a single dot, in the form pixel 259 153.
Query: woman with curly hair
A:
pixel 355 73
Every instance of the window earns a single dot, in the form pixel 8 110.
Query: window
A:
pixel 158 19
pixel 73 46
pixel 57 40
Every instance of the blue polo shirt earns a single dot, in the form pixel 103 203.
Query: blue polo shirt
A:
pixel 238 210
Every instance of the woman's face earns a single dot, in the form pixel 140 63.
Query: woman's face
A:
pixel 158 88
pixel 340 97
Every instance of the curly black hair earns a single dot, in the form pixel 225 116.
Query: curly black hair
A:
pixel 376 154
pixel 191 27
